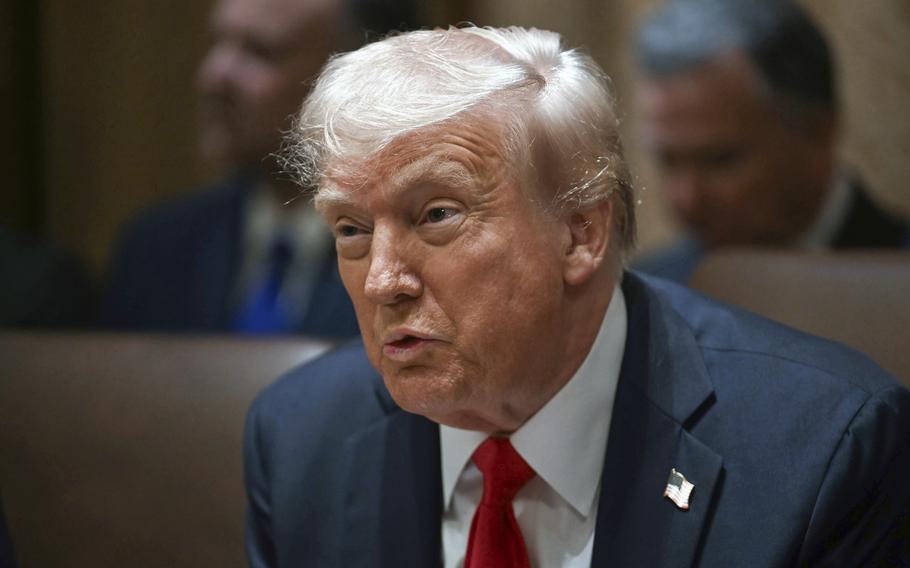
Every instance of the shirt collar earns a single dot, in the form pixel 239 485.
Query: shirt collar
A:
pixel 566 440
pixel 834 211
pixel 299 223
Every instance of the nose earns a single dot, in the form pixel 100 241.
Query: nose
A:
pixel 390 279
pixel 683 188
pixel 215 69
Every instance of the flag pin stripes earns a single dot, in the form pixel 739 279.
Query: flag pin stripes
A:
pixel 678 489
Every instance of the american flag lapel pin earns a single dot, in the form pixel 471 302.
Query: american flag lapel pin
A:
pixel 678 489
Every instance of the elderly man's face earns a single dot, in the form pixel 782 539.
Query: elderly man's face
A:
pixel 456 277
pixel 732 169
pixel 257 71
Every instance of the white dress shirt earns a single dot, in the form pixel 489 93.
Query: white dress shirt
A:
pixel 565 443
pixel 831 217
pixel 266 218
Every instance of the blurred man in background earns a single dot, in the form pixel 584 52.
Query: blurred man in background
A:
pixel 247 254
pixel 741 114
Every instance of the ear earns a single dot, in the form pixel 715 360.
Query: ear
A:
pixel 824 136
pixel 824 127
pixel 589 232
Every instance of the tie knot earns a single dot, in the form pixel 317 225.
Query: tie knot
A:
pixel 281 251
pixel 504 471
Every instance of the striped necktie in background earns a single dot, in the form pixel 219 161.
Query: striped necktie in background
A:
pixel 263 311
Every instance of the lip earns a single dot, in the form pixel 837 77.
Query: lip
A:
pixel 404 344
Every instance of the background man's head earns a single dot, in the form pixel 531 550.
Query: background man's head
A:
pixel 263 57
pixel 481 206
pixel 739 106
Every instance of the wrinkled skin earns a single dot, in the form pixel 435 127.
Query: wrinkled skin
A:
pixel 465 289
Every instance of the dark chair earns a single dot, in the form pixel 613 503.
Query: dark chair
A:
pixel 125 450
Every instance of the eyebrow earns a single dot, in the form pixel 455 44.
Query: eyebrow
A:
pixel 433 169
pixel 426 170
pixel 331 196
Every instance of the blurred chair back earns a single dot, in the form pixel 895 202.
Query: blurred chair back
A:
pixel 861 299
pixel 125 450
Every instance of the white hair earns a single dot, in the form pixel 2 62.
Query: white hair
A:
pixel 554 105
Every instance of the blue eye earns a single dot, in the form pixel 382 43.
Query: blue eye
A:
pixel 347 231
pixel 438 214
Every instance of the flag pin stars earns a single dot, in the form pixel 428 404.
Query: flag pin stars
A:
pixel 678 489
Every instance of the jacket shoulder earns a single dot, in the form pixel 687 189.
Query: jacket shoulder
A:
pixel 337 392
pixel 812 434
pixel 675 262
pixel 723 331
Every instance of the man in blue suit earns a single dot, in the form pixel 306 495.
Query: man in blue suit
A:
pixel 247 254
pixel 517 398
pixel 742 119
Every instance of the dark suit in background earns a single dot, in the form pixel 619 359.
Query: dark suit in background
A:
pixel 175 268
pixel 41 286
pixel 799 450
pixel 866 226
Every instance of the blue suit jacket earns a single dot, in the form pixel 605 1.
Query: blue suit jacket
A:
pixel 175 266
pixel 799 450
pixel 866 226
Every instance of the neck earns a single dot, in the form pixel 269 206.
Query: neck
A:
pixel 586 308
pixel 589 308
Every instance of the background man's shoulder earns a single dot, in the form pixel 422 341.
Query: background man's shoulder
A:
pixel 188 212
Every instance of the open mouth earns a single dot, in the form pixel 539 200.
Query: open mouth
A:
pixel 405 346
pixel 405 342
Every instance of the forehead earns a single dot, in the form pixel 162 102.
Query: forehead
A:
pixel 459 156
pixel 271 17
pixel 721 97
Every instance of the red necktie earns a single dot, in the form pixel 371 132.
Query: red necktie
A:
pixel 495 540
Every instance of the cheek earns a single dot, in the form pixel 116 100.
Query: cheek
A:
pixel 246 77
pixel 286 85
pixel 763 171
pixel 265 88
pixel 488 297
pixel 682 194
pixel 732 190
pixel 757 195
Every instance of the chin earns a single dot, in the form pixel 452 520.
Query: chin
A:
pixel 424 391
pixel 437 397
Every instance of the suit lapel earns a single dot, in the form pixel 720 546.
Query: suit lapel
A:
pixel 394 503
pixel 663 386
